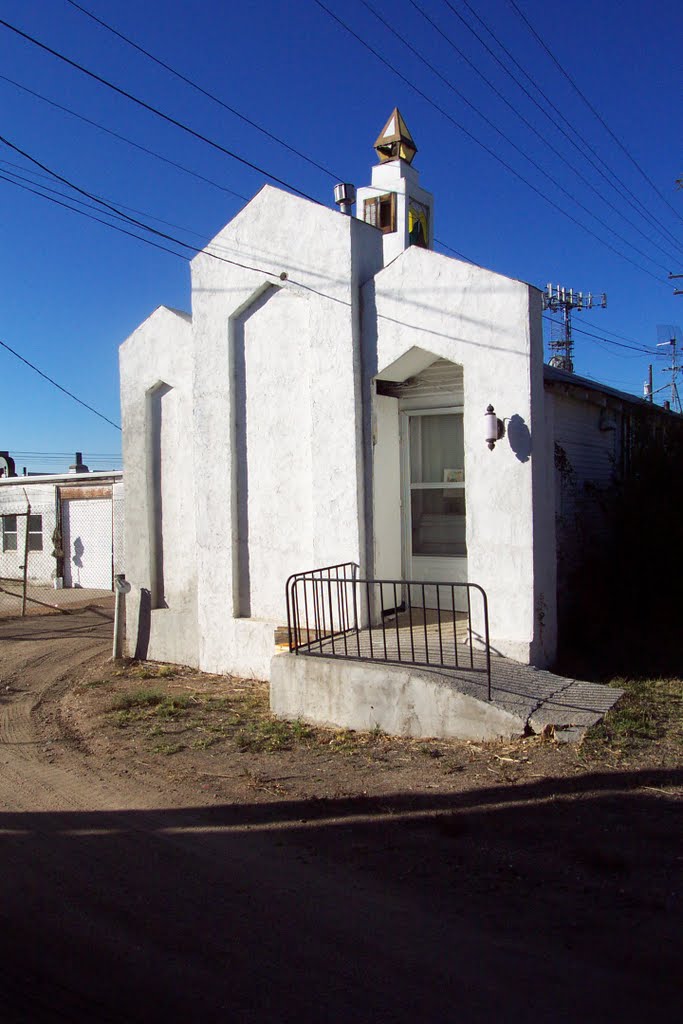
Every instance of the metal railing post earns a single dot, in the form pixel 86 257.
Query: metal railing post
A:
pixel 329 590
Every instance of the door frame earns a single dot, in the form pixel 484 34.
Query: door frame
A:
pixel 406 504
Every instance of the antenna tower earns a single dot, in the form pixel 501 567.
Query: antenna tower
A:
pixel 565 300
pixel 670 344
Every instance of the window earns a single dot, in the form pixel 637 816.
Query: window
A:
pixel 35 533
pixel 9 533
pixel 418 224
pixel 437 484
pixel 381 212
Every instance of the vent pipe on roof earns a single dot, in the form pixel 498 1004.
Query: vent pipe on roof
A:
pixel 345 197
pixel 79 466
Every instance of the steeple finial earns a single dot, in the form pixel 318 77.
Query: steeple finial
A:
pixel 395 141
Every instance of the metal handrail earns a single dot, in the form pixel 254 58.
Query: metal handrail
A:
pixel 334 612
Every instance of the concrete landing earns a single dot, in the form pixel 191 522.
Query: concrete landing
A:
pixel 406 700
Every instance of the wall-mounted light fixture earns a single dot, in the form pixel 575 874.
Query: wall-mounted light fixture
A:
pixel 495 428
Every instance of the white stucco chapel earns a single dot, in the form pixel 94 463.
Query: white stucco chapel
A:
pixel 324 403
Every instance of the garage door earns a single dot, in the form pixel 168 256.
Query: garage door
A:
pixel 87 536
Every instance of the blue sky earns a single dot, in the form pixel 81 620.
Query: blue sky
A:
pixel 74 289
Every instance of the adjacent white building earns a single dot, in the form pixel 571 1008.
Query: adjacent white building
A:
pixel 66 528
pixel 325 402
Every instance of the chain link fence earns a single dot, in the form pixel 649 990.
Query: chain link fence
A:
pixel 57 554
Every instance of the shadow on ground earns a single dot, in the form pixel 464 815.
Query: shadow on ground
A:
pixel 558 899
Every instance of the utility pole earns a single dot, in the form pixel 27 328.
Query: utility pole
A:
pixel 673 337
pixel 647 387
pixel 565 300
pixel 675 277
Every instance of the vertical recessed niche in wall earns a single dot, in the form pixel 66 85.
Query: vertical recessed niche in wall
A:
pixel 270 344
pixel 159 400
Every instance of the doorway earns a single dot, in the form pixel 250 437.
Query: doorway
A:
pixel 433 496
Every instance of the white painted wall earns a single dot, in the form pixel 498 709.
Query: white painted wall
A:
pixel 155 358
pixel 307 324
pixel 279 494
pixel 490 325
pixel 14 494
pixel 267 431
pixel 402 179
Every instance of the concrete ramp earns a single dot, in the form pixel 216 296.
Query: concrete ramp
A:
pixel 404 700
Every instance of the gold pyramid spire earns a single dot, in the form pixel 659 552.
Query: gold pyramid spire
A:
pixel 395 141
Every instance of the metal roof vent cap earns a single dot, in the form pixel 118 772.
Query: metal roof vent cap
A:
pixel 79 466
pixel 345 197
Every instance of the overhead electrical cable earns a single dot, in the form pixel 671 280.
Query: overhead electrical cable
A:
pixel 133 220
pixel 510 141
pixel 460 255
pixel 181 256
pixel 132 234
pixel 90 216
pixel 123 138
pixel 59 386
pixel 608 341
pixel 484 146
pixel 587 152
pixel 117 211
pixel 546 142
pixel 590 106
pixel 154 110
pixel 204 92
pixel 89 206
pixel 159 156
pixel 623 337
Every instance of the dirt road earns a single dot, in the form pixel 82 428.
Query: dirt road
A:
pixel 124 901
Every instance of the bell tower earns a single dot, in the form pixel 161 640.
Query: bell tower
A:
pixel 394 202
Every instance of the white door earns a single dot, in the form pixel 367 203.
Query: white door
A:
pixel 87 535
pixel 434 539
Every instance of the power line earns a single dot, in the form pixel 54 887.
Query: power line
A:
pixel 502 134
pixel 608 341
pixel 261 270
pixel 90 206
pixel 98 220
pixel 187 170
pixel 59 386
pixel 592 108
pixel 107 223
pixel 123 138
pixel 588 152
pixel 204 92
pixel 155 110
pixel 133 220
pixel 159 156
pixel 483 145
pixel 89 195
pixel 538 134
pixel 460 255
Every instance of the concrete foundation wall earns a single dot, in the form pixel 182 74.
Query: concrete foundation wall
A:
pixel 402 701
